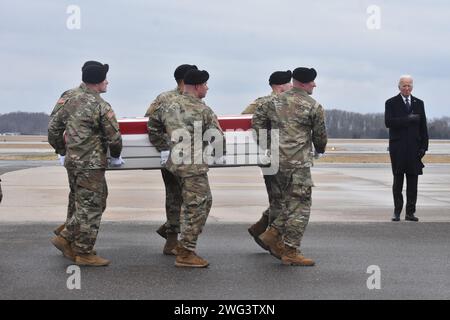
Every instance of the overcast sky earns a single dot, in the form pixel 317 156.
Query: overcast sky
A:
pixel 238 42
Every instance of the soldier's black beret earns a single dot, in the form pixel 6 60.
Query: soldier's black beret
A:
pixel 94 72
pixel 304 75
pixel 194 77
pixel 180 71
pixel 280 77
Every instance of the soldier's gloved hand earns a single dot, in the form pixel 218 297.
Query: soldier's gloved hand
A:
pixel 220 160
pixel 317 155
pixel 61 159
pixel 265 158
pixel 116 162
pixel 414 118
pixel 164 156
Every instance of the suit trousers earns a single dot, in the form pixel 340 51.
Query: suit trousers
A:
pixel 411 193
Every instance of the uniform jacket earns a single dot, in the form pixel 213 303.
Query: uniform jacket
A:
pixel 187 115
pixel 301 123
pixel 83 128
pixel 156 131
pixel 257 103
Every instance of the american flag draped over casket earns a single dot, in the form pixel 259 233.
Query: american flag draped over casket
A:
pixel 139 153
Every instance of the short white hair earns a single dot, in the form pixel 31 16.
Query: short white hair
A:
pixel 405 77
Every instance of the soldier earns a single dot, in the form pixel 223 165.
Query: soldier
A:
pixel 66 96
pixel 301 123
pixel 185 113
pixel 82 131
pixel 159 138
pixel 279 81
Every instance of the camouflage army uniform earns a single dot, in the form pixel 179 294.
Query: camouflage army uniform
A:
pixel 90 126
pixel 274 207
pixel 301 123
pixel 183 113
pixel 159 138
pixel 66 96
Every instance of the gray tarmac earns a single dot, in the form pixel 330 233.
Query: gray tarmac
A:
pixel 349 233
pixel 412 259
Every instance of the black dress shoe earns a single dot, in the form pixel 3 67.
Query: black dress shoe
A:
pixel 395 217
pixel 411 217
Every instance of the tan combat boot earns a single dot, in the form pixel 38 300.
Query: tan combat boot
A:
pixel 90 260
pixel 257 229
pixel 162 231
pixel 188 258
pixel 64 246
pixel 272 239
pixel 58 230
pixel 292 257
pixel 171 244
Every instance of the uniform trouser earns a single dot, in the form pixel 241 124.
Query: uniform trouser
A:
pixel 197 201
pixel 71 204
pixel 174 200
pixel 411 193
pixel 296 207
pixel 274 194
pixel 90 193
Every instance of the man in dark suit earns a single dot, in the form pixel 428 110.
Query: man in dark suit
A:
pixel 408 141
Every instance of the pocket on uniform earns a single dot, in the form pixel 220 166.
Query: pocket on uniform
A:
pixel 302 176
pixel 92 180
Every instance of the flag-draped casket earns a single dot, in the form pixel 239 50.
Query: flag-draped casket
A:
pixel 139 153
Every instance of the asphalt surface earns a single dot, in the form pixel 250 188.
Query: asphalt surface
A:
pixel 413 259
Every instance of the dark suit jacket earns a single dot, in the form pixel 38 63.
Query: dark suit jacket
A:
pixel 406 138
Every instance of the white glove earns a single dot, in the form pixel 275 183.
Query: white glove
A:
pixel 164 157
pixel 116 162
pixel 220 160
pixel 61 159
pixel 265 158
pixel 317 155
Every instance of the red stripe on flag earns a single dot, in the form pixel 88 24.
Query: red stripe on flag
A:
pixel 139 125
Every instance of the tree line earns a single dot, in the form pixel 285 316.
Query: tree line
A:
pixel 353 125
pixel 340 124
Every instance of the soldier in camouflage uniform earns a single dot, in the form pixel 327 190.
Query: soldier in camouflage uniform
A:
pixel 279 81
pixel 159 138
pixel 301 123
pixel 66 96
pixel 185 113
pixel 82 130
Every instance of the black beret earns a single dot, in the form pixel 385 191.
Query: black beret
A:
pixel 304 75
pixel 194 77
pixel 280 77
pixel 180 71
pixel 94 72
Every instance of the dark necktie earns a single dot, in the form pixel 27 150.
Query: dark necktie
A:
pixel 408 105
